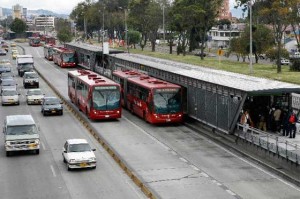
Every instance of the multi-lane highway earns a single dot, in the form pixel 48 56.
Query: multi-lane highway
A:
pixel 173 161
pixel 26 175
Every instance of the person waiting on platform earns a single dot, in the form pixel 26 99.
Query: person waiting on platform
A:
pixel 246 120
pixel 277 119
pixel 292 124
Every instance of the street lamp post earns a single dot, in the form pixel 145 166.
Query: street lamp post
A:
pixel 250 12
pixel 164 24
pixel 126 31
pixel 103 39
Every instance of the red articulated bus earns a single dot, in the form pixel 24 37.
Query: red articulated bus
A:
pixel 97 96
pixel 49 40
pixel 34 41
pixel 154 100
pixel 48 51
pixel 64 57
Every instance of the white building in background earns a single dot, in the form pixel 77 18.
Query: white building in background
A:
pixel 44 23
pixel 1 13
pixel 17 11
pixel 219 37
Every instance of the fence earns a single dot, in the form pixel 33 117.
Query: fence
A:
pixel 270 142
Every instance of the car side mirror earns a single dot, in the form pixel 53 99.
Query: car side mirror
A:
pixel 93 149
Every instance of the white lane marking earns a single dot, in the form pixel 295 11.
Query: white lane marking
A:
pixel 53 171
pixel 204 174
pixel 257 167
pixel 174 153
pixel 182 159
pixel 230 192
pixel 43 146
pixel 46 61
pixel 140 129
pixel 195 168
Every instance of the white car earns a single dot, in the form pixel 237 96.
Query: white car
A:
pixel 77 153
pixel 284 61
pixel 34 96
pixel 10 96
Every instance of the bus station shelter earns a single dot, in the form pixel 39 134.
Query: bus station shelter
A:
pixel 89 56
pixel 214 97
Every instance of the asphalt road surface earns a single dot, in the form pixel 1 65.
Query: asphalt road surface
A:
pixel 173 161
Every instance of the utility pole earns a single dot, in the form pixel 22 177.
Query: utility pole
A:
pixel 251 63
pixel 126 31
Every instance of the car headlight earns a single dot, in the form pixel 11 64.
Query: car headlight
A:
pixel 37 141
pixel 7 143
pixel 72 161
pixel 93 159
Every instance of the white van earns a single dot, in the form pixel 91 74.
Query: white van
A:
pixel 20 134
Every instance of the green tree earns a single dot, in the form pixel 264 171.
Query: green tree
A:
pixel 64 35
pixel 192 19
pixel 134 37
pixel 139 20
pixel 18 26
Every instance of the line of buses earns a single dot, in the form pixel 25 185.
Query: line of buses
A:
pixel 154 100
pixel 63 57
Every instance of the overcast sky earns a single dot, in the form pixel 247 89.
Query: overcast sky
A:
pixel 58 6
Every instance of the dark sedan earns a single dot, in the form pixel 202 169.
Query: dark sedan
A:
pixel 52 106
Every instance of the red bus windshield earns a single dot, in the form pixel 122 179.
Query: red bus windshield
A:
pixel 68 57
pixel 167 101
pixel 106 97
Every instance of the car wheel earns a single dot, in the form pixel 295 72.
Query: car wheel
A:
pixel 64 160
pixel 94 167
pixel 18 103
pixel 37 151
pixel 8 153
pixel 68 167
pixel 62 112
pixel 44 113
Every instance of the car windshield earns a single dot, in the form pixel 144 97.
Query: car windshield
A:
pixel 106 97
pixel 9 92
pixel 31 75
pixel 8 82
pixel 21 130
pixel 52 101
pixel 79 147
pixel 8 74
pixel 26 66
pixel 167 101
pixel 34 92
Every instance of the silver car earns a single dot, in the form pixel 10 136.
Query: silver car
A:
pixel 8 84
pixel 34 96
pixel 10 96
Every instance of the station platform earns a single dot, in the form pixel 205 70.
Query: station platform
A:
pixel 283 146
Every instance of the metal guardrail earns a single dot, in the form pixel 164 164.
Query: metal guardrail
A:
pixel 270 142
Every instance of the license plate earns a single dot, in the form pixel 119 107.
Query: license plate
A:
pixel 53 111
pixel 31 83
pixel 83 164
pixel 106 116
pixel 168 120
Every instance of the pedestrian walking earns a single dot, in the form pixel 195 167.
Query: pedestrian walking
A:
pixel 292 123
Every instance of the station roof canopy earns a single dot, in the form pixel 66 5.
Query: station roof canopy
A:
pixel 251 85
pixel 92 48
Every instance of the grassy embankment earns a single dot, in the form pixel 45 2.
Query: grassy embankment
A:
pixel 259 70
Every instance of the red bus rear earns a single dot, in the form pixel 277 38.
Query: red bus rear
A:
pixel 64 57
pixel 49 40
pixel 34 41
pixel 97 96
pixel 154 100
pixel 48 52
